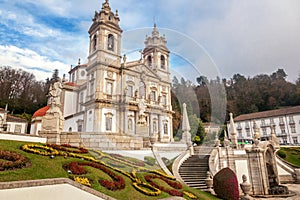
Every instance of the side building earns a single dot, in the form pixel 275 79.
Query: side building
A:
pixel 110 95
pixel 12 124
pixel 286 122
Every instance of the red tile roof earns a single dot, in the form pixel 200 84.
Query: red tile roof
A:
pixel 269 113
pixel 11 118
pixel 41 112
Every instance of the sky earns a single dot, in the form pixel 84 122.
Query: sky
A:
pixel 205 37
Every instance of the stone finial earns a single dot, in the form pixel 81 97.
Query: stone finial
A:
pixel 246 187
pixel 185 119
pixel 233 132
pixel 186 135
pixel 124 58
pixel 155 32
pixel 273 137
pixel 209 182
pixel 256 134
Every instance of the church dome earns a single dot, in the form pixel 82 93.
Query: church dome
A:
pixel 41 112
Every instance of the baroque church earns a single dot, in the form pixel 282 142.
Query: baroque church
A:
pixel 110 95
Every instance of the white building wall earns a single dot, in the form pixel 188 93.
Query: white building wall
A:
pixel 90 120
pixel 13 127
pixel 70 103
pixel 72 123
pixel 283 128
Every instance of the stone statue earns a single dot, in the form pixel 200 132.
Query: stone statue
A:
pixel 53 121
pixel 54 97
pixel 142 106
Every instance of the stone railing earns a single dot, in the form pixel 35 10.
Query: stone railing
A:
pixel 161 162
pixel 213 161
pixel 178 162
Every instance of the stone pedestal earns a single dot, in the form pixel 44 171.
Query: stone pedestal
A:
pixel 52 122
pixel 142 131
pixel 52 137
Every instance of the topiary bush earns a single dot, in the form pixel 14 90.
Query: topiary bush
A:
pixel 281 154
pixel 149 160
pixel 225 184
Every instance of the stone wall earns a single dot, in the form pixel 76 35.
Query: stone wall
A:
pixel 97 140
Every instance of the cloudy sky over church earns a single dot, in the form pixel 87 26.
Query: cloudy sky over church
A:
pixel 246 37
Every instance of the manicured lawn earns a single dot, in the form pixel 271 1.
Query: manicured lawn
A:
pixel 292 155
pixel 44 167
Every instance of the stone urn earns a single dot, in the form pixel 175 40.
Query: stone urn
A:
pixel 152 139
pixel 297 175
pixel 246 188
pixel 209 182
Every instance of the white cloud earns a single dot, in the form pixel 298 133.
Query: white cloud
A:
pixel 30 61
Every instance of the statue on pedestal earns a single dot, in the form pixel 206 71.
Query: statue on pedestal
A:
pixel 53 121
pixel 142 108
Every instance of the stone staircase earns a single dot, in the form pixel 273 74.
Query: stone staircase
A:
pixel 193 170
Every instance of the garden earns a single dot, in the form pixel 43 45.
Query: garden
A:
pixel 290 154
pixel 112 174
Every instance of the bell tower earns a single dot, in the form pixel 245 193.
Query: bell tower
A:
pixel 105 37
pixel 156 54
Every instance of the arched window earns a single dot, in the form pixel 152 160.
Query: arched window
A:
pixel 130 124
pixel 162 62
pixel 149 61
pixel 142 90
pixel 110 43
pixel 70 129
pixel 94 42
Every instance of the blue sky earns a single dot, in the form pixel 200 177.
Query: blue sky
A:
pixel 216 37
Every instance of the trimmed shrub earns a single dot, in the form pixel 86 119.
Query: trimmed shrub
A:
pixel 281 154
pixel 225 184
pixel 149 160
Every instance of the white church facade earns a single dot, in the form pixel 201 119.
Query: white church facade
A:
pixel 110 95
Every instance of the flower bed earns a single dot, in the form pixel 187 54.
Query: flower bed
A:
pixel 39 149
pixel 173 184
pixel 11 160
pixel 68 148
pixel 82 180
pixel 146 189
pixel 117 182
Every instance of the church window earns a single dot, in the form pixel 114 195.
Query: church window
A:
pixel 149 61
pixel 154 126
pixel 110 45
pixel 130 90
pixel 162 62
pixel 142 90
pixel 108 123
pixel 153 96
pixel 79 127
pixel 92 87
pixel 81 97
pixel 164 100
pixel 94 42
pixel 166 128
pixel 109 88
pixel 70 129
pixel 130 124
